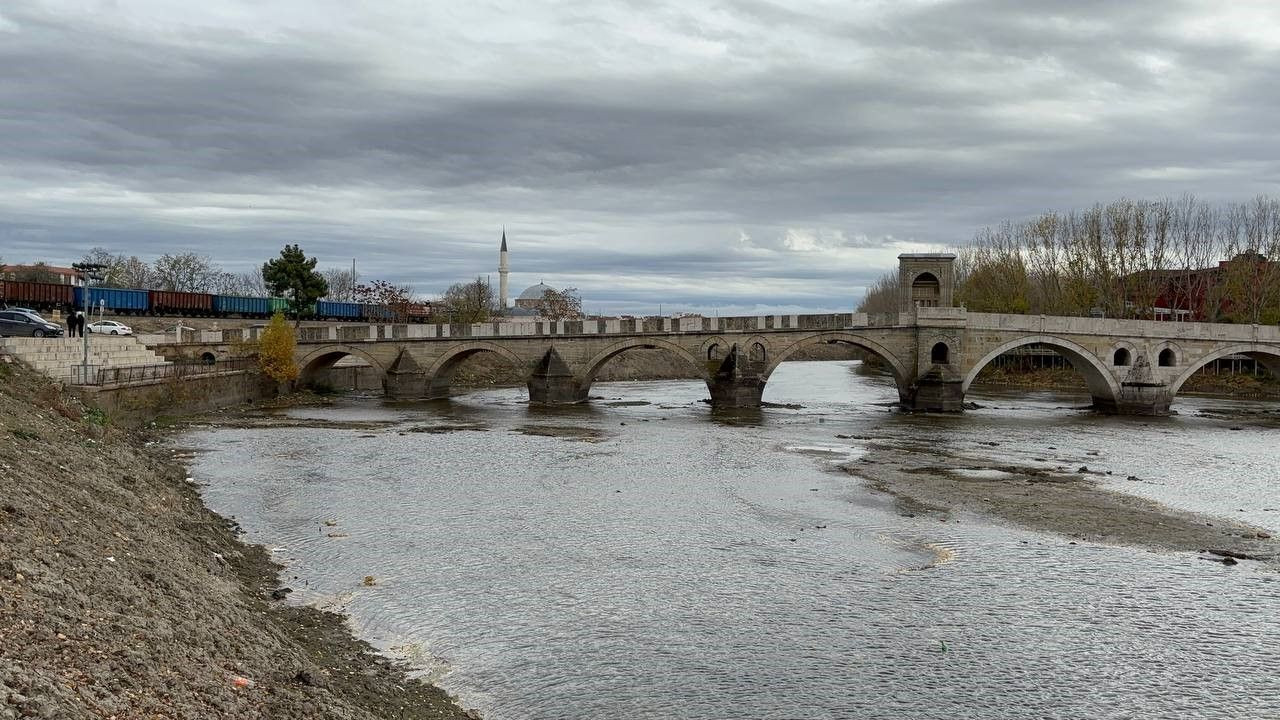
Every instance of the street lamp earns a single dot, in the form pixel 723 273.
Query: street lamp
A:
pixel 90 272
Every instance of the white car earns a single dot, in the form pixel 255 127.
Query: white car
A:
pixel 110 327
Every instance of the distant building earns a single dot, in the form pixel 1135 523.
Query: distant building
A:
pixel 528 304
pixel 1199 295
pixel 59 275
pixel 503 270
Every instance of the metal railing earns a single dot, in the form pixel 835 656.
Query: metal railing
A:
pixel 98 375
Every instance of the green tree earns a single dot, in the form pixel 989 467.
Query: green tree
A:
pixel 275 350
pixel 293 276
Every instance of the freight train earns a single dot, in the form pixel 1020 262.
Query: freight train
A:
pixel 121 301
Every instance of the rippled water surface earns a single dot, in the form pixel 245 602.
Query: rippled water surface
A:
pixel 642 558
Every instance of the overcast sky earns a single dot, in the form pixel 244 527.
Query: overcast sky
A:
pixel 735 157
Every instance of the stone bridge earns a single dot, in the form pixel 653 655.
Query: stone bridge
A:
pixel 934 351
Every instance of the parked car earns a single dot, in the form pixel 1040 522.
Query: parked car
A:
pixel 110 327
pixel 18 322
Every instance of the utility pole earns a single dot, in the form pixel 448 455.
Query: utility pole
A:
pixel 89 271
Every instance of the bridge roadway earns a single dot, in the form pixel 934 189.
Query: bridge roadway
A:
pixel 934 353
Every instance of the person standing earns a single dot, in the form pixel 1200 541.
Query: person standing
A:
pixel 80 323
pixel 71 324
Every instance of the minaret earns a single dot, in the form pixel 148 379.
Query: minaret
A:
pixel 503 269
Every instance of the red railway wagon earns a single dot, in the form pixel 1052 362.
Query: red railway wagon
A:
pixel 416 312
pixel 38 296
pixel 181 303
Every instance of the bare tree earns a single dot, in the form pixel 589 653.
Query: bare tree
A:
pixel 186 272
pixel 251 283
pixel 471 302
pixel 395 298
pixel 1127 258
pixel 563 304
pixel 342 284
pixel 1195 248
pixel 136 273
pixel 998 280
pixel 226 283
pixel 882 296
pixel 120 271
pixel 1251 234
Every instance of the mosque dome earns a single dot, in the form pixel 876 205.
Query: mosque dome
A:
pixel 536 292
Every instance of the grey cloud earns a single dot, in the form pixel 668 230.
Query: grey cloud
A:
pixel 915 124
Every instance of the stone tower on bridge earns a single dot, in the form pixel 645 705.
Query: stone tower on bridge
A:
pixel 926 280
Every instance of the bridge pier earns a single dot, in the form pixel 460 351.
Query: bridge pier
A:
pixel 935 391
pixel 737 383
pixel 1137 399
pixel 405 379
pixel 553 383
pixel 737 392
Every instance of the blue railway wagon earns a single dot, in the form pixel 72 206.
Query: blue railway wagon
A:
pixel 338 310
pixel 129 302
pixel 375 313
pixel 240 305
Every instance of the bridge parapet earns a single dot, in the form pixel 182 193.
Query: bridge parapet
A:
pixel 935 316
pixel 742 324
pixel 1124 328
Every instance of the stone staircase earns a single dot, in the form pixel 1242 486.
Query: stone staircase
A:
pixel 60 357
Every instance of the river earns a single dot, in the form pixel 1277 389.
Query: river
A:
pixel 642 557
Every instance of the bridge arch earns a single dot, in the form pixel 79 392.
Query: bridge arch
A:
pixel 715 349
pixel 1101 382
pixel 900 372
pixel 1268 355
pixel 596 363
pixel 440 372
pixel 323 358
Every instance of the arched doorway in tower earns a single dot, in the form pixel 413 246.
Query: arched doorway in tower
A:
pixel 926 290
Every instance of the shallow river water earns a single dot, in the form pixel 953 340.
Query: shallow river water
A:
pixel 640 557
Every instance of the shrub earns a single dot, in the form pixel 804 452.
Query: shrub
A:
pixel 275 350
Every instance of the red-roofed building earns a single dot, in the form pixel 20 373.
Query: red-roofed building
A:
pixel 54 274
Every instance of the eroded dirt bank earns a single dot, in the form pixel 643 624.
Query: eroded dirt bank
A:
pixel 122 596
pixel 1068 501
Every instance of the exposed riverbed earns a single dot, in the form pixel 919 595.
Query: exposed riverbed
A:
pixel 828 556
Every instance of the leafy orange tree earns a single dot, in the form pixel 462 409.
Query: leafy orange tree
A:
pixel 275 350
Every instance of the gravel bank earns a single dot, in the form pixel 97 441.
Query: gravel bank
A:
pixel 122 596
pixel 925 480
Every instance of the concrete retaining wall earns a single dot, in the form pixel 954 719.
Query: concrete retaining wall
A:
pixel 139 403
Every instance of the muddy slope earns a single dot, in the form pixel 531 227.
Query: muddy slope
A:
pixel 122 596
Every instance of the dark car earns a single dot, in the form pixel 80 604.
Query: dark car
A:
pixel 25 323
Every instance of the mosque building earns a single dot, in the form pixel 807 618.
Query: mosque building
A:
pixel 529 303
